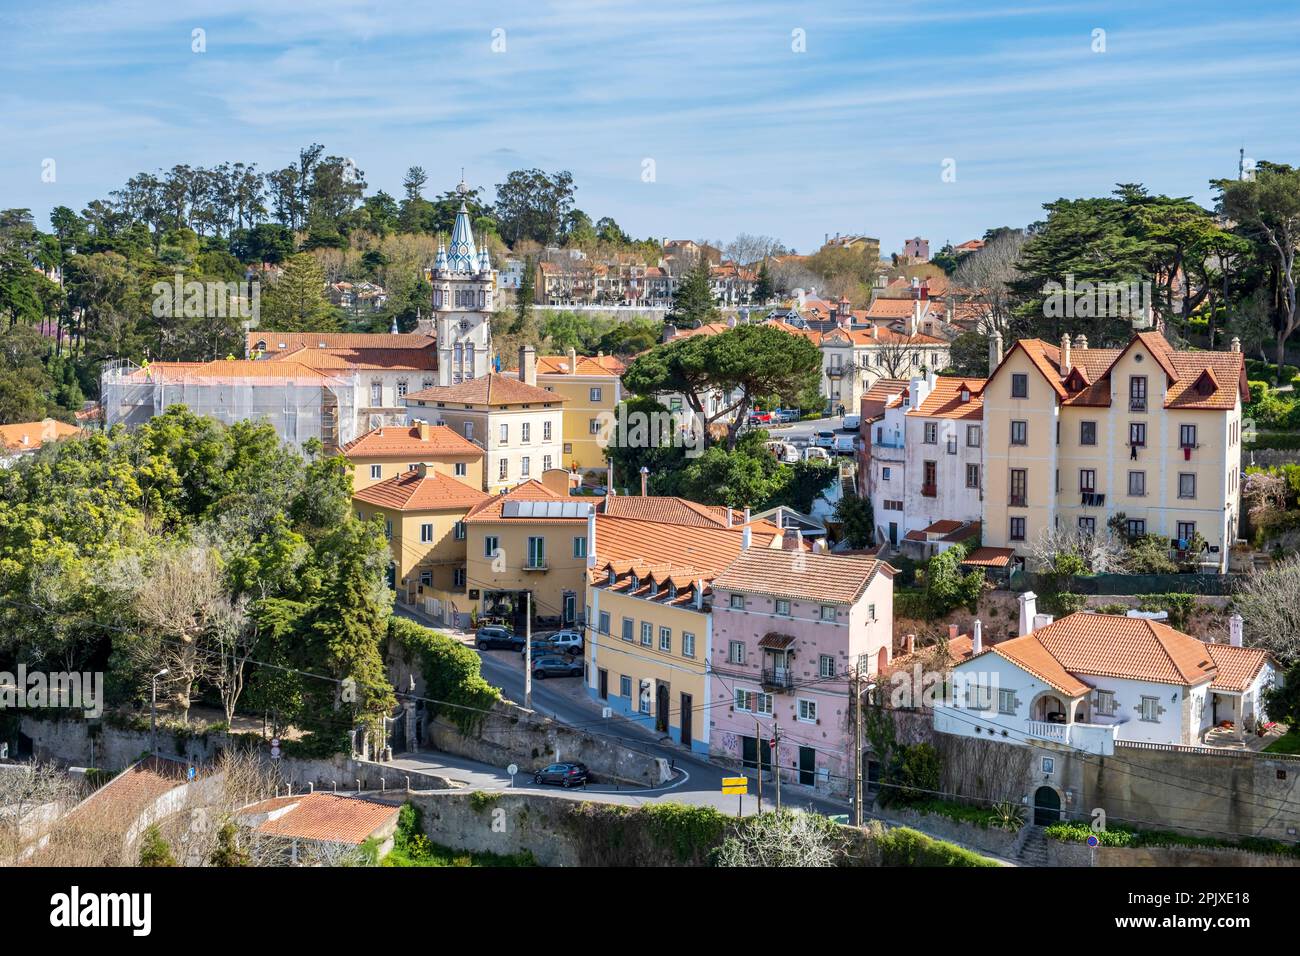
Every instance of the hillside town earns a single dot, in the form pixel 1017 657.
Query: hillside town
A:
pixel 457 525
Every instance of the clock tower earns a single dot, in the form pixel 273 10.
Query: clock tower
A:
pixel 464 284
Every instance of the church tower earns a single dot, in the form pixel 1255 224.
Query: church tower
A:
pixel 464 283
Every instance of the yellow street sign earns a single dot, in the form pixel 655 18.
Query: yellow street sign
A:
pixel 735 790
pixel 735 781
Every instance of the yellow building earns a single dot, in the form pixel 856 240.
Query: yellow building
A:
pixel 393 450
pixel 519 425
pixel 424 520
pixel 1077 436
pixel 591 389
pixel 649 614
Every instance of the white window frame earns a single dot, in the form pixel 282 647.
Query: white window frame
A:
pixel 806 710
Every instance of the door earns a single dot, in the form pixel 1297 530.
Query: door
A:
pixel 570 607
pixel 604 684
pixel 749 752
pixel 893 534
pixel 661 708
pixel 807 766
pixel 685 720
pixel 1047 807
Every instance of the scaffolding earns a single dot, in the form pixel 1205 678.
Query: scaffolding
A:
pixel 299 402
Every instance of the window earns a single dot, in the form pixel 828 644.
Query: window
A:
pixel 763 704
pixel 1017 531
pixel 388 528
pixel 524 464
pixel 828 612
pixel 929 479
pixel 1187 436
pixel 1186 529
pixel 1019 386
pixel 426 578
pixel 401 389
pixel 568 448
pixel 783 607
pixel 460 469
pixel 595 394
pixel 1020 433
pixel 808 711
pixel 628 626
pixel 376 393
pixel 458 577
pixel 376 472
pixel 972 436
pixel 688 644
pixel 1006 701
pixel 1137 484
pixel 1151 709
pixel 490 545
pixel 931 433
pixel 1087 433
pixel 666 639
pixel 525 432
pixel 736 652
pixel 536 552
pixel 1137 393
pixel 412 466
pixel 603 625
pixel 1137 434
pixel 1019 487
pixel 826 666
pixel 579 546
pixel 593 426
pixel 1106 703
pixel 1135 527
pixel 624 686
pixel 427 383
pixel 426 533
pixel 972 475
pixel 1187 485
pixel 505 433
pixel 885 473
pixel 1087 480
pixel 469 431
pixel 738 601
pixel 1087 525
pixel 871 612
pixel 504 470
pixel 745 700
pixel 546 431
pixel 647 634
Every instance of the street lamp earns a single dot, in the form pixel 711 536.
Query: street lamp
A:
pixel 153 710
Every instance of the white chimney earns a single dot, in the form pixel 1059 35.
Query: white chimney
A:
pixel 573 361
pixel 746 534
pixel 916 317
pixel 609 480
pixel 977 637
pixel 1235 345
pixel 645 475
pixel 1065 354
pixel 728 516
pixel 1042 620
pixel 591 538
pixel 699 593
pixel 909 643
pixel 1235 626
pixel 1028 608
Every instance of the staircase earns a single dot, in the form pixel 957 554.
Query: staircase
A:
pixel 1031 849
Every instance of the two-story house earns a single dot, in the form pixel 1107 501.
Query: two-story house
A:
pixel 790 630
pixel 1076 436
pixel 591 388
pixel 387 452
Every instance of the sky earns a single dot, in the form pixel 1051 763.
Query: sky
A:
pixel 695 120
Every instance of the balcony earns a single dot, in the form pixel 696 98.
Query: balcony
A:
pixel 1137 404
pixel 1018 501
pixel 929 491
pixel 537 566
pixel 837 371
pixel 1091 499
pixel 778 679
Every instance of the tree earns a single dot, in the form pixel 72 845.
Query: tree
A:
pixel 764 287
pixel 693 303
pixel 295 302
pixel 154 850
pixel 782 839
pixel 853 512
pixel 968 355
pixel 525 294
pixel 1266 600
pixel 986 276
pixel 532 205
pixel 413 182
pixel 228 852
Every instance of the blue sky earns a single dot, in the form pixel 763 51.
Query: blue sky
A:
pixel 746 134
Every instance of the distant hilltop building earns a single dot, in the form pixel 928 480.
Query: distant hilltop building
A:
pixel 856 242
pixel 917 249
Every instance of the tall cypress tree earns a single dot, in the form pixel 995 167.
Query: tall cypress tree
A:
pixel 693 300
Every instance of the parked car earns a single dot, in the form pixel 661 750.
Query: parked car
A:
pixel 852 423
pixel 494 636
pixel 813 453
pixel 569 641
pixel 789 454
pixel 544 667
pixel 786 415
pixel 845 444
pixel 825 439
pixel 565 774
pixel 760 418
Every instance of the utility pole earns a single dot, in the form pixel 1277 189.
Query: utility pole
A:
pixel 528 650
pixel 857 747
pixel 776 760
pixel 758 747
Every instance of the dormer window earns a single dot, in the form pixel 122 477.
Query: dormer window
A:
pixel 613 577
pixel 634 582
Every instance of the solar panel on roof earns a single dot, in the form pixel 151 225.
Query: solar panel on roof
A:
pixel 545 509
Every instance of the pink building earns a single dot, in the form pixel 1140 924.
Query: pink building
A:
pixel 788 630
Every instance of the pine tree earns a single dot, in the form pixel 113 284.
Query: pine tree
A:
pixel 524 296
pixel 693 300
pixel 295 302
pixel 764 289
pixel 154 850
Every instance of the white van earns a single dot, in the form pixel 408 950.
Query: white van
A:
pixel 846 444
pixel 852 422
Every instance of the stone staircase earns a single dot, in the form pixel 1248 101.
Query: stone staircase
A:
pixel 1031 848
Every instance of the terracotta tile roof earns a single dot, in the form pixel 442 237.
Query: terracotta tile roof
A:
pixel 968 529
pixel 944 526
pixel 230 370
pixel 959 648
pixel 1028 654
pixel 944 400
pixel 876 399
pixel 1238 666
pixel 672 510
pixel 129 794
pixel 413 491
pixel 914 536
pixel 401 359
pixel 531 490
pixel 776 642
pixel 880 335
pixel 398 441
pixel 709 328
pixel 285 341
pixel 491 389
pixel 808 576
pixel 27 436
pixel 990 557
pixel 326 817
pixel 681 553
pixel 884 308
pixel 587 365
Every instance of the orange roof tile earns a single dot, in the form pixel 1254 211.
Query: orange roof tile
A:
pixel 241 370
pixel 944 400
pixel 681 553
pixel 284 341
pixel 672 510
pixel 413 491
pixel 400 441
pixel 876 399
pixel 27 436
pixel 399 359
pixel 809 576
pixel 1238 666
pixel 990 557
pixel 491 389
pixel 586 365
pixel 326 817
pixel 530 490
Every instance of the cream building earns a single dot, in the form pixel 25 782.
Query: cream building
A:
pixel 591 389
pixel 519 425
pixel 1075 436
pixel 394 450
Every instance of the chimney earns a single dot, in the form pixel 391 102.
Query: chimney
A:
pixel 916 317
pixel 747 534
pixel 1235 624
pixel 1065 354
pixel 645 474
pixel 977 637
pixel 790 539
pixel 699 593
pixel 422 470
pixel 573 361
pixel 609 480
pixel 1235 345
pixel 528 365
pixel 423 427
pixel 728 516
pixel 875 331
pixel 909 644
pixel 1028 608
pixel 952 632
pixel 591 538
pixel 995 351
pixel 1081 342
pixel 1042 620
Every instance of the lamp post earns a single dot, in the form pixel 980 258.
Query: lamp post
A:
pixel 153 710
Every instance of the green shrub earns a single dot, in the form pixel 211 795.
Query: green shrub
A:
pixel 686 828
pixel 451 674
pixel 905 847
pixel 1180 607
